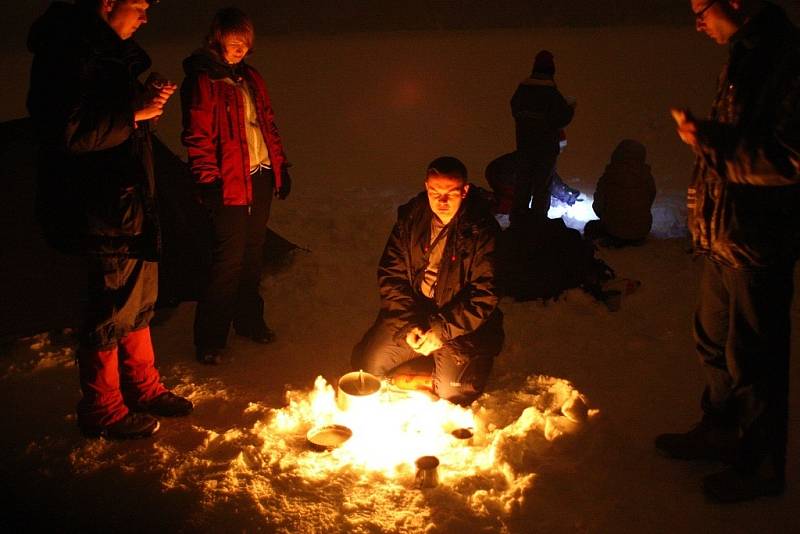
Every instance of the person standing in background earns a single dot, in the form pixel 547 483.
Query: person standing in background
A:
pixel 540 113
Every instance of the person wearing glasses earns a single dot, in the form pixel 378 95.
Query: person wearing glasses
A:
pixel 745 226
pixel 437 287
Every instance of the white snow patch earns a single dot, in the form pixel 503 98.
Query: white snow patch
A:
pixel 301 490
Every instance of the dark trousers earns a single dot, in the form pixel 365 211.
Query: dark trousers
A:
pixel 534 180
pixel 461 369
pixel 115 359
pixel 231 292
pixel 742 328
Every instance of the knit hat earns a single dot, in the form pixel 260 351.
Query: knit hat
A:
pixel 544 63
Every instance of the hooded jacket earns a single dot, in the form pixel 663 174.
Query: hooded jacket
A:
pixel 465 296
pixel 95 190
pixel 214 128
pixel 744 197
pixel 540 112
pixel 625 193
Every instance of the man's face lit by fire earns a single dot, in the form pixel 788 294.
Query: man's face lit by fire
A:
pixel 717 18
pixel 124 16
pixel 445 194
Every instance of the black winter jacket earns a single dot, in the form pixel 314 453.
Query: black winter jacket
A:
pixel 743 201
pixel 465 297
pixel 540 112
pixel 95 178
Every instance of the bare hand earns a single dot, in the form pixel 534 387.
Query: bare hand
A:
pixel 430 343
pixel 415 338
pixel 687 126
pixel 153 106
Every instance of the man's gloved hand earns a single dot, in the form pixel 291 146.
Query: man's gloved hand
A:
pixel 209 195
pixel 286 185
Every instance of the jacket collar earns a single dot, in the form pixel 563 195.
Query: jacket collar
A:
pixel 761 26
pixel 209 61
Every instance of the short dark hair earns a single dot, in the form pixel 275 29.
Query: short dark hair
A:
pixel 230 21
pixel 447 166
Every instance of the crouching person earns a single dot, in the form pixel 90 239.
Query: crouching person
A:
pixel 96 197
pixel 437 286
pixel 624 198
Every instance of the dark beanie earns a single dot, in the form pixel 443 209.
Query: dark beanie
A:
pixel 544 63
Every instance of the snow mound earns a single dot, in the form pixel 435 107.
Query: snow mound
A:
pixel 271 468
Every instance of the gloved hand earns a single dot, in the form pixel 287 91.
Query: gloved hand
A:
pixel 286 185
pixel 209 195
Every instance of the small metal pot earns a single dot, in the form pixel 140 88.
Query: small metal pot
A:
pixel 427 472
pixel 356 389
pixel 463 436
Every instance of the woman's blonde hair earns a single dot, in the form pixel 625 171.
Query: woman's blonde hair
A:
pixel 230 21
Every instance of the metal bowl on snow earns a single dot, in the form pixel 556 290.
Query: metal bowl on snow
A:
pixel 325 438
pixel 463 435
pixel 355 388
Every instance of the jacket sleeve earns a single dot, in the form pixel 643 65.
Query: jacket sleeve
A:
pixel 767 154
pixel 599 202
pixel 398 305
pixel 271 135
pixel 275 137
pixel 560 112
pixel 199 134
pixel 90 117
pixel 476 301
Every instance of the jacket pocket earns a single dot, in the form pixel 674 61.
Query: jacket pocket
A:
pixel 123 216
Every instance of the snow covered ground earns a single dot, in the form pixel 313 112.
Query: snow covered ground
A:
pixel 361 116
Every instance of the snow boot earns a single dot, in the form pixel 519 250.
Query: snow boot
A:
pixel 705 441
pixel 261 333
pixel 132 426
pixel 167 404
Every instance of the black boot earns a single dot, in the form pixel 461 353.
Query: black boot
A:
pixel 705 441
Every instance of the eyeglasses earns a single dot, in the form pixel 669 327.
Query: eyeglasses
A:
pixel 700 15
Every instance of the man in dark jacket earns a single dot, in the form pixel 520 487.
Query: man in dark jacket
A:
pixel 96 198
pixel 744 221
pixel 540 113
pixel 438 295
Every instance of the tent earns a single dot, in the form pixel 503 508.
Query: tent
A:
pixel 42 289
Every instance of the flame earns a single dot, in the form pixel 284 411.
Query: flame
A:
pixel 391 429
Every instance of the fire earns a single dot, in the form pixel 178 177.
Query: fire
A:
pixel 392 429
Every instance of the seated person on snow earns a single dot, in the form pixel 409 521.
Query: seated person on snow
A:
pixel 623 198
pixel 437 285
pixel 501 175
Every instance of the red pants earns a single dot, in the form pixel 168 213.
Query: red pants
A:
pixel 115 378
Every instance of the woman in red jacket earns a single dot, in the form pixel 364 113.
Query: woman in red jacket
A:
pixel 238 164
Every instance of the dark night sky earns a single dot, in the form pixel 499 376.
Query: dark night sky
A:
pixel 186 17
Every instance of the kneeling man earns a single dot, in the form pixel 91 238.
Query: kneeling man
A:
pixel 437 285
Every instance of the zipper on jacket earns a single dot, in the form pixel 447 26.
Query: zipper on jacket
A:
pixel 242 144
pixel 228 115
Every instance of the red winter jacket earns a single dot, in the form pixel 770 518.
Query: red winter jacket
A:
pixel 214 128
